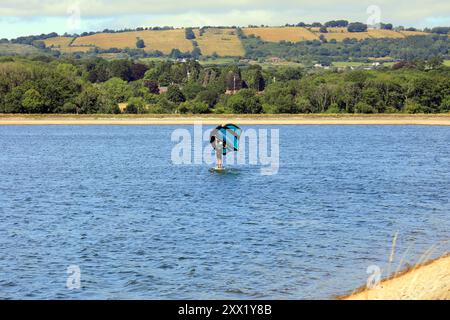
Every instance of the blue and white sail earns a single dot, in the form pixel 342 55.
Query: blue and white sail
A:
pixel 226 138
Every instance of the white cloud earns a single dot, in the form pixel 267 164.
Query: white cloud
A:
pixel 329 8
pixel 133 13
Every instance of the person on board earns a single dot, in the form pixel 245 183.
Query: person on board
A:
pixel 220 148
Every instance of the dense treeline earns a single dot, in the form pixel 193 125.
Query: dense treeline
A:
pixel 409 48
pixel 49 85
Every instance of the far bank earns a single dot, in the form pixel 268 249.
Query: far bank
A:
pixel 295 119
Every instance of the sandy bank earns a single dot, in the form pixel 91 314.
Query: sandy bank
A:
pixel 437 120
pixel 430 281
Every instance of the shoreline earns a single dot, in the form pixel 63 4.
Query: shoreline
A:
pixel 305 119
pixel 427 281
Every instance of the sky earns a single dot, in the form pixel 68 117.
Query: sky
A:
pixel 31 17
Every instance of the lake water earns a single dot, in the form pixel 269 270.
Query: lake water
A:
pixel 109 200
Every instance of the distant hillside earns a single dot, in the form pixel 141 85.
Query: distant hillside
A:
pixel 223 42
pixel 13 49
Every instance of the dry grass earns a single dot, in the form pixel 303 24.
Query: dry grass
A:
pixel 425 280
pixel 273 34
pixel 379 33
pixel 75 49
pixel 58 42
pixel 333 30
pixel 162 40
pixel 413 33
pixel 16 48
pixel 224 42
pixel 340 36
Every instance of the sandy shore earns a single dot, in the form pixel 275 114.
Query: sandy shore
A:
pixel 398 119
pixel 430 281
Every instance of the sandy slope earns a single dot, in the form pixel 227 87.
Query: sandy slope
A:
pixel 427 282
pixel 443 120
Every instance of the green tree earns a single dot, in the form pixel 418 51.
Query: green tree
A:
pixel 68 107
pixel 445 105
pixel 117 89
pixel 412 106
pixel 190 35
pixel 303 104
pixel 140 44
pixel 121 68
pixel 233 79
pixel 33 102
pixel 333 108
pixel 92 100
pixel 357 27
pixel 136 105
pixel 193 107
pixel 176 54
pixel 165 106
pixel 254 78
pixel 362 107
pixel 152 86
pixel 13 100
pixel 174 94
pixel 196 53
pixel 191 90
pixel 210 96
pixel 279 98
pixel 245 101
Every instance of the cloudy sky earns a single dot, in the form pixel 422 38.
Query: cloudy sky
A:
pixel 25 17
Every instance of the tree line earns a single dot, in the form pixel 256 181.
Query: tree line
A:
pixel 89 86
pixel 327 51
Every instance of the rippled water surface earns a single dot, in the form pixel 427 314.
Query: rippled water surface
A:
pixel 109 200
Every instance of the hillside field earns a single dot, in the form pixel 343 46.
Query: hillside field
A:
pixel 58 42
pixel 17 49
pixel 224 42
pixel 277 34
pixel 295 34
pixel 162 40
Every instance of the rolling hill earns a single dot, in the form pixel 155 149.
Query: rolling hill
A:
pixel 224 42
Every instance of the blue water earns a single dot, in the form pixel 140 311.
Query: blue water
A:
pixel 109 200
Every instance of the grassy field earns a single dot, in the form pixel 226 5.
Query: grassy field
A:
pixel 355 64
pixel 75 49
pixel 151 59
pixel 224 42
pixel 412 33
pixel 162 40
pixel 340 36
pixel 447 63
pixel 218 61
pixel 58 42
pixel 64 45
pixel 378 33
pixel 295 34
pixel 17 49
pixel 277 34
pixel 343 64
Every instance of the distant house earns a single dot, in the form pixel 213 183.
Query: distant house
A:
pixel 163 90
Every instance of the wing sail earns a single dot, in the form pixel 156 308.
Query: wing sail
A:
pixel 228 135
